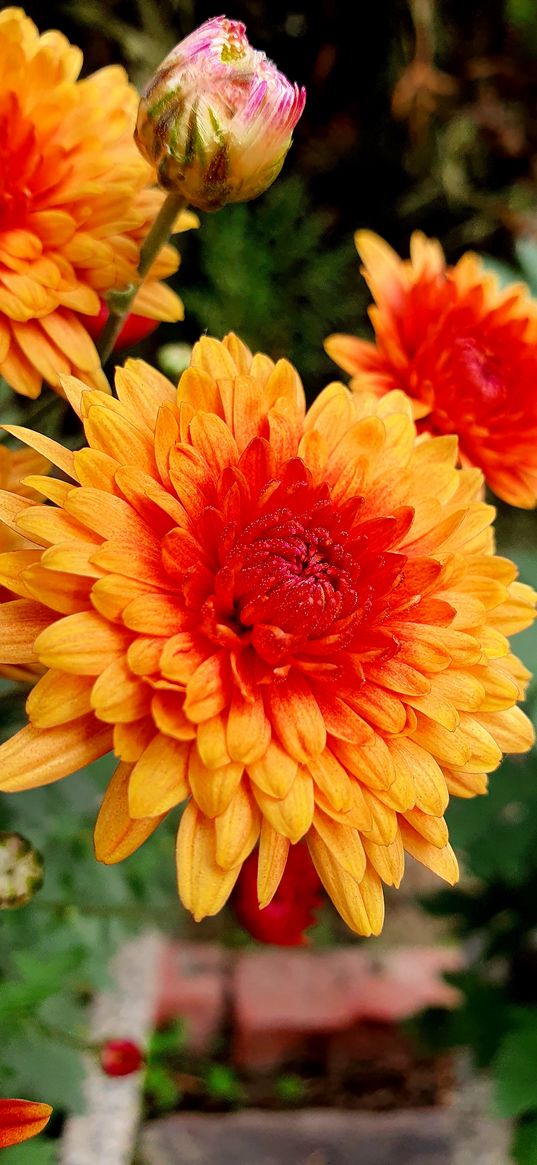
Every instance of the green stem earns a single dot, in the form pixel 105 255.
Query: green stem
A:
pixel 120 302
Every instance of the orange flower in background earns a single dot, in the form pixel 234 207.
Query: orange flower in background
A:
pixel 464 350
pixel 21 1119
pixel 14 466
pixel 76 201
pixel 293 620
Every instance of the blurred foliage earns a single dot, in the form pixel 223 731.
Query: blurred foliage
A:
pixel 55 951
pixel 269 270
pixel 494 914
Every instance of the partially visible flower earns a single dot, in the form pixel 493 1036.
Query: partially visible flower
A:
pixel 76 202
pixel 464 350
pixel 291 911
pixel 21 1119
pixel 21 871
pixel 16 469
pixel 293 621
pixel 217 118
pixel 134 329
pixel 120 1057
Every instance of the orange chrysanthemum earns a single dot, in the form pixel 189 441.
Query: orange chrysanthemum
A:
pixel 14 466
pixel 464 350
pixel 76 202
pixel 295 620
pixel 21 1119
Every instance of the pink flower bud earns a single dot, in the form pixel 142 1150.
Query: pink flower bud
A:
pixel 217 118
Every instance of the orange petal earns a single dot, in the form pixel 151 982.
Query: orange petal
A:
pixel 296 717
pixel 21 621
pixel 21 1119
pixel 116 834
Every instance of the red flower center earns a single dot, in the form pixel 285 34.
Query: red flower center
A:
pixel 291 572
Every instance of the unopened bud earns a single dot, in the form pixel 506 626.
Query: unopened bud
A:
pixel 217 118
pixel 120 1057
pixel 21 871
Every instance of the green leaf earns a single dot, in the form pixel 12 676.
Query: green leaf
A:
pixel 516 1078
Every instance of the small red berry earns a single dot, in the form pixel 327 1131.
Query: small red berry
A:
pixel 120 1057
pixel 135 327
pixel 291 911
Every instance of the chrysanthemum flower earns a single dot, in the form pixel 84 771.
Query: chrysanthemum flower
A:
pixel 14 466
pixel 464 350
pixel 293 620
pixel 76 201
pixel 21 1119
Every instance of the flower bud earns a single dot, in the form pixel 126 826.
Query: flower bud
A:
pixel 217 118
pixel 120 1057
pixel 21 871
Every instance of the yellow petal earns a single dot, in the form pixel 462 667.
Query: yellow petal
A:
pixel 237 829
pixel 343 842
pixel 361 904
pixel 58 698
pixel 271 862
pixel 441 861
pixel 159 778
pixel 248 730
pixel 213 789
pixel 275 772
pixel 83 644
pixel 204 887
pixel 39 756
pixel 291 815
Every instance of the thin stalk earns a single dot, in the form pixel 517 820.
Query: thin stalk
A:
pixel 120 302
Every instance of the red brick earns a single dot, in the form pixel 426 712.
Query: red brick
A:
pixel 283 999
pixel 193 987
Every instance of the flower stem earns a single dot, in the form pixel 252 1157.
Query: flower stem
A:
pixel 120 302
